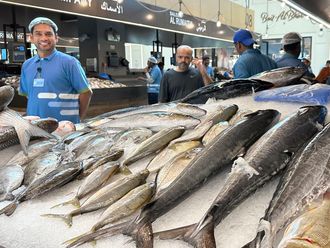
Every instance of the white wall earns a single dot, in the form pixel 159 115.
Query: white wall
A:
pixel 320 44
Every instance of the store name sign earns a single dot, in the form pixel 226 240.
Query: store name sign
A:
pixel 113 7
pixel 176 20
pixel 283 16
pixel 82 3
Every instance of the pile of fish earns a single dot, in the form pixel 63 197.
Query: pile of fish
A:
pixel 138 163
pixel 97 83
pixel 13 81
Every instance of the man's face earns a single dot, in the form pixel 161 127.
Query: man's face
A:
pixel 44 38
pixel 206 62
pixel 183 59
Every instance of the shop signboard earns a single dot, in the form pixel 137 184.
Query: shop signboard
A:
pixel 132 12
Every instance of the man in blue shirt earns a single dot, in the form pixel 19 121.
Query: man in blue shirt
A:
pixel 54 83
pixel 152 72
pixel 292 48
pixel 208 68
pixel 251 61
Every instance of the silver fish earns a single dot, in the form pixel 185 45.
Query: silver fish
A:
pixel 6 96
pixel 11 177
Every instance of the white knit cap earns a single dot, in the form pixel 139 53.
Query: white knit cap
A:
pixel 153 60
pixel 42 20
pixel 291 38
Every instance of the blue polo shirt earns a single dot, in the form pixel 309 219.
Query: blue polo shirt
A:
pixel 53 85
pixel 156 75
pixel 252 62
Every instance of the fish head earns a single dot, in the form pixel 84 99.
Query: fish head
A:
pixel 6 96
pixel 316 112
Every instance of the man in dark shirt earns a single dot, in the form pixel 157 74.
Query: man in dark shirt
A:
pixel 183 79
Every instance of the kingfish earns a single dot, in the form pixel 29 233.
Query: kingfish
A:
pixel 154 143
pixel 105 196
pixel 155 121
pixel 264 159
pixel 92 182
pixel 56 178
pixel 305 179
pixel 219 154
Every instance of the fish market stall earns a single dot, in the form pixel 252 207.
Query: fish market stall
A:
pixel 234 231
pixel 171 139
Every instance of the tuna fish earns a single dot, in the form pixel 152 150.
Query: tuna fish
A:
pixel 219 154
pixel 281 76
pixel 226 90
pixel 269 155
pixel 305 179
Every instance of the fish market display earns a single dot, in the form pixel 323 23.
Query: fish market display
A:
pixel 97 83
pixel 305 179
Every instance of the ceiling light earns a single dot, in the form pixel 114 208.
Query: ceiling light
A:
pixel 190 25
pixel 120 1
pixel 283 4
pixel 149 17
pixel 218 23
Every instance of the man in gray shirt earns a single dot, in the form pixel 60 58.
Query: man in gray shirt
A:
pixel 183 79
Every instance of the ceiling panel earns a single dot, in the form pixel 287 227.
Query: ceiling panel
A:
pixel 320 8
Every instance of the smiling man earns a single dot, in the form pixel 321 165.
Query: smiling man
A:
pixel 54 83
pixel 183 79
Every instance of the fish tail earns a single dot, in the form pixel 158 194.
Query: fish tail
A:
pixel 67 218
pixel 125 170
pixel 75 239
pixel 75 202
pixel 9 209
pixel 202 237
pixel 142 234
pixel 263 237
pixel 177 233
pixel 92 236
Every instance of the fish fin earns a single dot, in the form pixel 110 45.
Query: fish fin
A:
pixel 30 130
pixel 74 239
pixel 177 233
pixel 67 218
pixel 9 209
pixel 125 170
pixel 104 232
pixel 75 202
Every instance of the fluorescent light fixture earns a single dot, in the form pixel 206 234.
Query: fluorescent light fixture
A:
pixel 149 17
pixel 305 12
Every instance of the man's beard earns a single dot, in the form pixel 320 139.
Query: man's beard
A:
pixel 183 66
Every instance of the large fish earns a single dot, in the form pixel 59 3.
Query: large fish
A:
pixel 269 155
pixel 154 143
pixel 56 178
pixel 226 90
pixel 306 177
pixel 105 196
pixel 179 108
pixel 8 135
pixel 219 154
pixel 92 182
pixel 281 76
pixel 11 177
pixel 155 121
pixel 10 118
pixel 310 230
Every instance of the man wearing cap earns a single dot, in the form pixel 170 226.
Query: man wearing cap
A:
pixel 54 83
pixel 292 48
pixel 152 72
pixel 251 61
pixel 183 79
